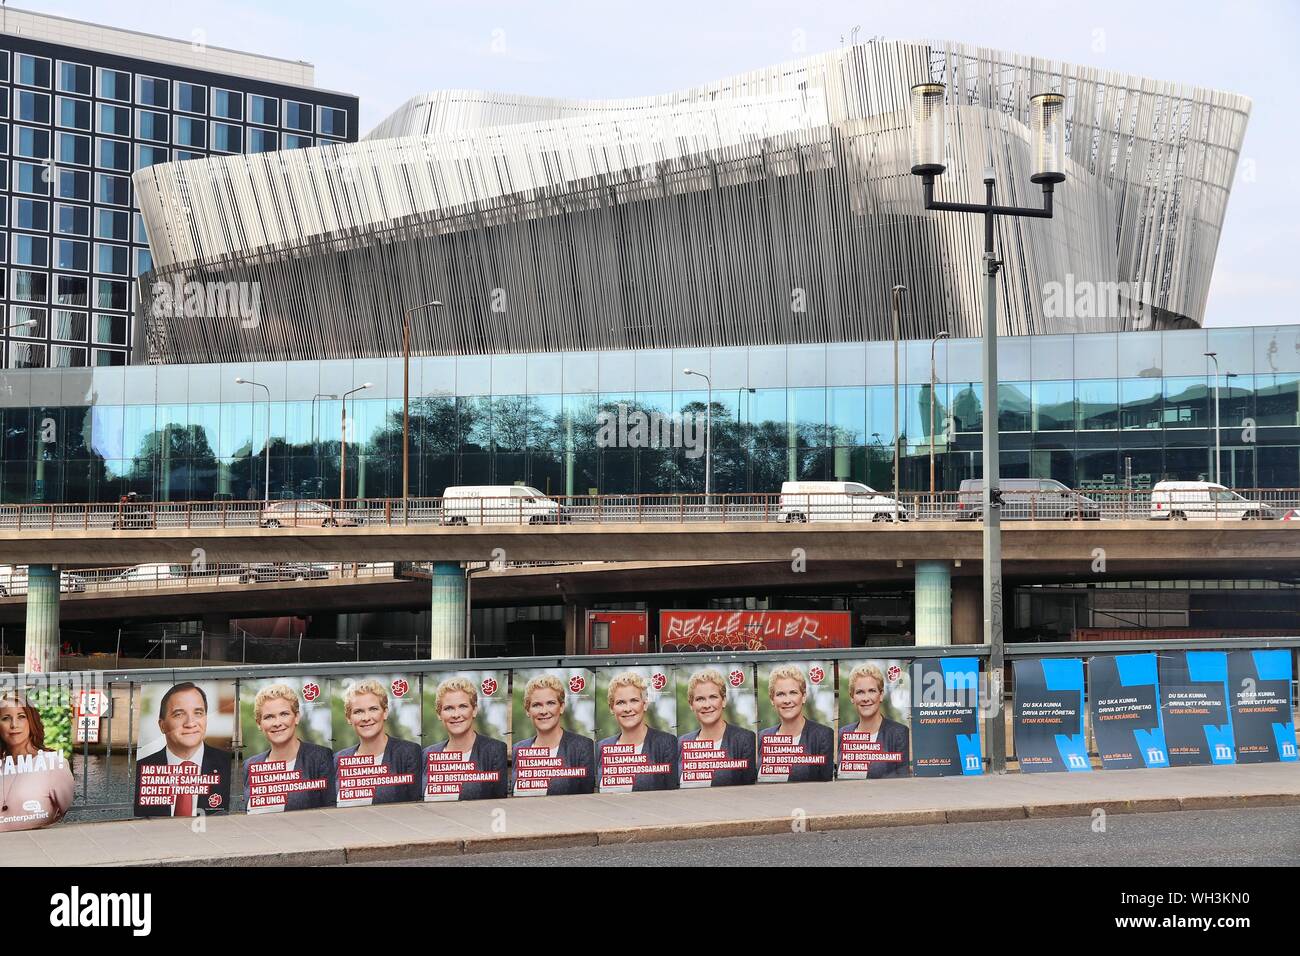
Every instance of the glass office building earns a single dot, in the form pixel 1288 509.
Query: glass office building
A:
pixel 82 107
pixel 1092 410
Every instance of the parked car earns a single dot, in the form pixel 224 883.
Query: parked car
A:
pixel 837 501
pixel 316 514
pixel 1025 499
pixel 1206 500
pixel 13 581
pixel 499 504
pixel 282 571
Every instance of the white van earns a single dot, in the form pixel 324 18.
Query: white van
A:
pixel 1180 500
pixel 499 504
pixel 149 575
pixel 837 501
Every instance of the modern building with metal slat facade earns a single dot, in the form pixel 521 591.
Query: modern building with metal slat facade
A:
pixel 770 208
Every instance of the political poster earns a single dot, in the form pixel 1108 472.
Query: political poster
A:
pixel 945 717
pixel 376 729
pixel 796 709
pixel 36 784
pixel 284 726
pixel 467 735
pixel 1047 720
pixel 1194 700
pixel 1127 722
pixel 636 729
pixel 554 724
pixel 875 711
pixel 1262 722
pixel 718 711
pixel 183 753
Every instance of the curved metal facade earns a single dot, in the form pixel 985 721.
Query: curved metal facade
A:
pixel 771 207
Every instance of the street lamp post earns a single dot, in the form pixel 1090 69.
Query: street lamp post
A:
pixel 406 402
pixel 343 443
pixel 933 384
pixel 1047 121
pixel 266 496
pixel 708 431
pixel 898 291
pixel 1214 357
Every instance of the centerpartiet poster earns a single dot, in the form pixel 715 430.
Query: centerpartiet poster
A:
pixel 376 722
pixel 636 729
pixel 183 753
pixel 945 717
pixel 717 703
pixel 1194 698
pixel 1048 717
pixel 284 725
pixel 553 721
pixel 875 738
pixel 1126 717
pixel 36 785
pixel 1260 682
pixel 796 709
pixel 467 728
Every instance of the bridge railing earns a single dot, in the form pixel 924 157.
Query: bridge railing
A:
pixel 119 579
pixel 1017 505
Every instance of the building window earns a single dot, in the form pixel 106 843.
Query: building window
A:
pixel 191 98
pixel 191 132
pixel 74 114
pixel 152 125
pixel 72 290
pixel 141 236
pixel 69 326
pixel 32 143
pixel 294 141
pixel 112 224
pixel 4 137
pixel 227 138
pixel 114 85
pixel 31 250
pixel 72 254
pixel 111 294
pixel 184 154
pixel 143 262
pixel 262 141
pixel 32 107
pixel 27 322
pixel 31 178
pixel 74 78
pixel 74 150
pixel 30 286
pixel 32 70
pixel 32 214
pixel 333 122
pixel 147 156
pixel 64 356
pixel 114 120
pixel 72 220
pixel 264 110
pixel 297 116
pixel 114 155
pixel 151 91
pixel 74 184
pixel 112 260
pixel 228 104
pixel 110 330
pixel 105 357
pixel 26 355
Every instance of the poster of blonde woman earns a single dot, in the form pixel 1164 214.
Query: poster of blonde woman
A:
pixel 376 727
pixel 636 728
pixel 466 729
pixel 875 719
pixel 284 725
pixel 717 712
pixel 796 709
pixel 554 726
pixel 36 785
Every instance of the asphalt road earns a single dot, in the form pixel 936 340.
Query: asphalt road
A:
pixel 1257 837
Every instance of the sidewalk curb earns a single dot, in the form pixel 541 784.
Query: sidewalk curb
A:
pixel 658 833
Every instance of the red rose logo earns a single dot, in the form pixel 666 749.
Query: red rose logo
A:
pixel 577 683
pixel 214 800
pixel 736 677
pixel 489 686
pixel 816 674
pixel 400 687
pixel 310 691
pixel 658 681
pixel 894 673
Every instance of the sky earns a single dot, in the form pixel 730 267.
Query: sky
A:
pixel 386 51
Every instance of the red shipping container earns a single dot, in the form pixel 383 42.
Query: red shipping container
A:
pixel 753 630
pixel 617 632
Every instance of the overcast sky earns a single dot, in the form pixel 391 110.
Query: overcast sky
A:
pixel 386 51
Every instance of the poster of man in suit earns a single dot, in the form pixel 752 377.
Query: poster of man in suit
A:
pixel 185 734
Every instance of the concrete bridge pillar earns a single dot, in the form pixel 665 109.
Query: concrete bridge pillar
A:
pixel 933 603
pixel 42 639
pixel 967 611
pixel 447 620
pixel 216 636
pixel 575 628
